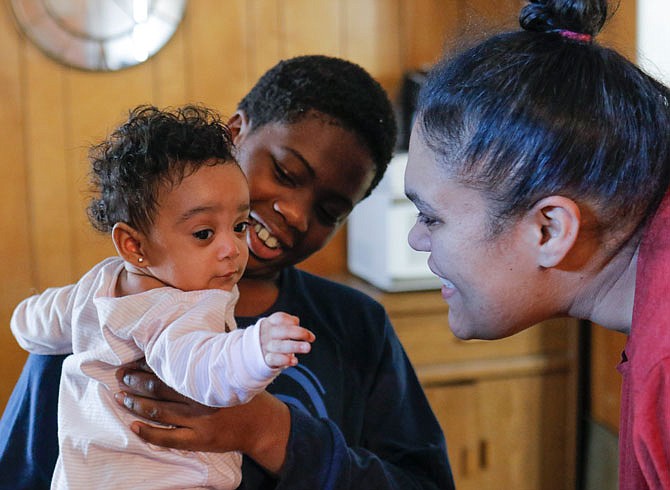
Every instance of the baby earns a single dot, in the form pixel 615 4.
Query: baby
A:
pixel 176 205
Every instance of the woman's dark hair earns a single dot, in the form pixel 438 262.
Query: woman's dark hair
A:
pixel 546 110
pixel 153 148
pixel 335 87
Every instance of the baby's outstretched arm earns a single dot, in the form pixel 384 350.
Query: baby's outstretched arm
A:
pixel 282 338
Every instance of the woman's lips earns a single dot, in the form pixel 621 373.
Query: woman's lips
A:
pixel 448 288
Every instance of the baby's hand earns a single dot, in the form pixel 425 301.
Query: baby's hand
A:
pixel 282 338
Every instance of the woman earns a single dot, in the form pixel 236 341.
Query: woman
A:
pixel 540 166
pixel 314 137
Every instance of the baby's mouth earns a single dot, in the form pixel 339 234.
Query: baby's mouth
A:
pixel 265 236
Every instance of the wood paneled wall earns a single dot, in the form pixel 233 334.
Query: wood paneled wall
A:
pixel 51 114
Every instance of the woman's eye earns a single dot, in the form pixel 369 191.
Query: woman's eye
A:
pixel 425 220
pixel 203 234
pixel 241 227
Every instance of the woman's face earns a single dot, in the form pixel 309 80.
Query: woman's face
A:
pixel 304 180
pixel 489 281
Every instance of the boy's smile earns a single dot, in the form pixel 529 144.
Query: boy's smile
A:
pixel 304 180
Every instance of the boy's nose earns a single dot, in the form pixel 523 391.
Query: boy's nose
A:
pixel 295 212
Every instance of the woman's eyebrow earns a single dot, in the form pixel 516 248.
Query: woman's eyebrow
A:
pixel 420 204
pixel 414 197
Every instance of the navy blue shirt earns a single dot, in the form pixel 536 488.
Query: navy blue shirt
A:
pixel 359 418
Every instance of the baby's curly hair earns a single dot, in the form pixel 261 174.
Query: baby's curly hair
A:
pixel 151 149
pixel 338 88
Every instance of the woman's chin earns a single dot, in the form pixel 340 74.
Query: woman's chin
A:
pixel 462 333
pixel 464 329
pixel 458 327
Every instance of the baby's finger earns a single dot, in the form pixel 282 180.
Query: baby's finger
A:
pixel 294 332
pixel 275 360
pixel 281 318
pixel 288 347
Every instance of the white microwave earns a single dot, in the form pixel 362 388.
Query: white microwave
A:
pixel 377 248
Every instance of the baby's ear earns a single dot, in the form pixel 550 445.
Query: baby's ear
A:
pixel 556 221
pixel 128 243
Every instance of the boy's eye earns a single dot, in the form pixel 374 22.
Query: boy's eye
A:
pixel 328 218
pixel 203 234
pixel 241 227
pixel 281 173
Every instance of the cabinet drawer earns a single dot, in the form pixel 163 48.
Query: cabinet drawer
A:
pixel 428 340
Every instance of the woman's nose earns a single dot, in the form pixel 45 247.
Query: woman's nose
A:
pixel 418 238
pixel 295 212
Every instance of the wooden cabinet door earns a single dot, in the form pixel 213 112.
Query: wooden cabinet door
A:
pixel 526 432
pixel 455 407
pixel 507 432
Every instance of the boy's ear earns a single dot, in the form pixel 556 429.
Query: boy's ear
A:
pixel 556 222
pixel 128 243
pixel 239 125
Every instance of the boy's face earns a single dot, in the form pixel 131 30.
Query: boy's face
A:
pixel 198 239
pixel 304 180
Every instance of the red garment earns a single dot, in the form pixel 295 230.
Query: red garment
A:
pixel 644 434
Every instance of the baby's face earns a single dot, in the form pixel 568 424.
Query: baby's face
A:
pixel 198 239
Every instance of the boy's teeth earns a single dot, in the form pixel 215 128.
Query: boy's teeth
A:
pixel 272 242
pixel 265 236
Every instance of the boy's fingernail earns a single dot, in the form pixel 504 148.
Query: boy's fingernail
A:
pixel 124 399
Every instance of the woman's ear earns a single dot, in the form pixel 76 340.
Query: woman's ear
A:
pixel 128 243
pixel 556 221
pixel 239 125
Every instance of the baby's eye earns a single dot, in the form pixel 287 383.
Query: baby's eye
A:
pixel 204 234
pixel 241 227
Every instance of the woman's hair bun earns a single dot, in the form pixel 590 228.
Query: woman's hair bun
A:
pixel 582 16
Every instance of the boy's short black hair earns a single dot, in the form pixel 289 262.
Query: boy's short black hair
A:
pixel 332 86
pixel 151 149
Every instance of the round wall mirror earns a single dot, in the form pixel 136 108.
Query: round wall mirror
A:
pixel 101 35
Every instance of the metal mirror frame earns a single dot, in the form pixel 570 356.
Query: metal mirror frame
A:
pixel 99 35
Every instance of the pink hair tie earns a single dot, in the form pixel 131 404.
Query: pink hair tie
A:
pixel 575 36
